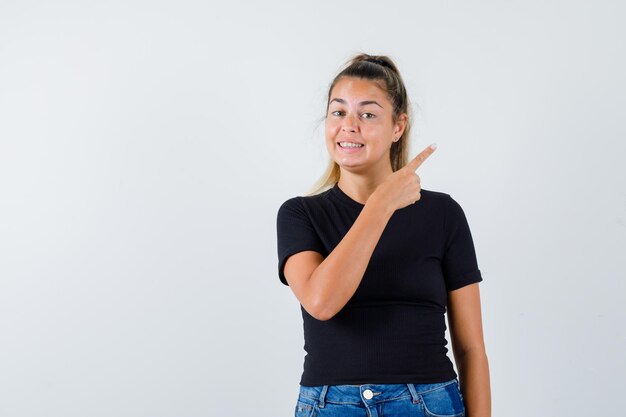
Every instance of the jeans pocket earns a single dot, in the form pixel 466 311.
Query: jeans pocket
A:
pixel 305 407
pixel 458 387
pixel 445 401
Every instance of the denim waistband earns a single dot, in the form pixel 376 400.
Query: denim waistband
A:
pixel 354 394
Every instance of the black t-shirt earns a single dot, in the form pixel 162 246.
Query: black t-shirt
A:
pixel 392 330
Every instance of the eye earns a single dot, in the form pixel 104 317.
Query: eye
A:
pixel 372 115
pixel 336 111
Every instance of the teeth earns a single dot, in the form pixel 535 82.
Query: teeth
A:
pixel 349 145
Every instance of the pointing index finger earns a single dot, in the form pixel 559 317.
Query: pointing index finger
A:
pixel 417 161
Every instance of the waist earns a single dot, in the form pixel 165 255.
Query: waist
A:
pixel 373 392
pixel 391 344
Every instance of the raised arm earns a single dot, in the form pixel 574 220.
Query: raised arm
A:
pixel 324 286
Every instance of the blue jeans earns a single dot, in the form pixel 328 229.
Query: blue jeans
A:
pixel 441 399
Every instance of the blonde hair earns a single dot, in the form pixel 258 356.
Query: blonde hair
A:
pixel 377 68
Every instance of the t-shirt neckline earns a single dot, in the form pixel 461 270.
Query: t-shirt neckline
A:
pixel 338 192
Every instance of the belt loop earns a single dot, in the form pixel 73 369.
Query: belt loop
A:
pixel 416 398
pixel 322 398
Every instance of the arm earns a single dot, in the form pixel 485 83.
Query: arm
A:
pixel 325 287
pixel 464 317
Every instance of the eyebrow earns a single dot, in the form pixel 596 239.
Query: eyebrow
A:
pixel 363 103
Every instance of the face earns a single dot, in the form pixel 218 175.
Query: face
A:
pixel 359 112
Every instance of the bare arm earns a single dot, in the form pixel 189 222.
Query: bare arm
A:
pixel 336 279
pixel 324 286
pixel 468 346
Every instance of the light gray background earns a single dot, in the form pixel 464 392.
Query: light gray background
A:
pixel 145 147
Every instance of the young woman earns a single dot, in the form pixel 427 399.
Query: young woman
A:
pixel 375 261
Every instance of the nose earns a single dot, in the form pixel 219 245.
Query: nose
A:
pixel 349 124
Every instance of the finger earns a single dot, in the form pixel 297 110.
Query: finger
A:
pixel 419 159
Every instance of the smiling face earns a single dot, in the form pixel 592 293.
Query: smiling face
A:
pixel 360 112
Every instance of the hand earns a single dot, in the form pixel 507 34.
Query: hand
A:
pixel 403 186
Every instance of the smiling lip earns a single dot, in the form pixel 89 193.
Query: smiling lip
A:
pixel 349 150
pixel 349 141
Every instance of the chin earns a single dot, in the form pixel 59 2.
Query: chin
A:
pixel 352 166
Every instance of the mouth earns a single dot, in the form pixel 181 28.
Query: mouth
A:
pixel 350 145
pixel 349 148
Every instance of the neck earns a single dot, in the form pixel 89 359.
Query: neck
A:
pixel 360 186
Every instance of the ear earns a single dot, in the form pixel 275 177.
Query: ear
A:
pixel 400 125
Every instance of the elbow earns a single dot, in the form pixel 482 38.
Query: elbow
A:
pixel 323 316
pixel 318 306
pixel 321 312
pixel 318 317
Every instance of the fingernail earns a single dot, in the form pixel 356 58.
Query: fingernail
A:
pixel 433 146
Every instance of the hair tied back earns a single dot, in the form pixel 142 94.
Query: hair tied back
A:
pixel 379 62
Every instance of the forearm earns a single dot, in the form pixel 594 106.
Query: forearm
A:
pixel 336 279
pixel 473 367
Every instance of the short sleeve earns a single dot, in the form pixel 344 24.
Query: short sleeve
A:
pixel 460 266
pixel 295 233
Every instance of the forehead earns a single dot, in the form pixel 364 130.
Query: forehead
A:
pixel 358 89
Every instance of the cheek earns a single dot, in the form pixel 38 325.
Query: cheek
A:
pixel 331 131
pixel 377 133
pixel 372 133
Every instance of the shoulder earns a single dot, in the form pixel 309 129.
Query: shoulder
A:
pixel 438 196
pixel 303 204
pixel 444 206
pixel 435 200
pixel 442 198
pixel 290 210
pixel 290 203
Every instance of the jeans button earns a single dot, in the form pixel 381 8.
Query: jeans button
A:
pixel 368 394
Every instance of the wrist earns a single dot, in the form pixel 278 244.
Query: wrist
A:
pixel 380 207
